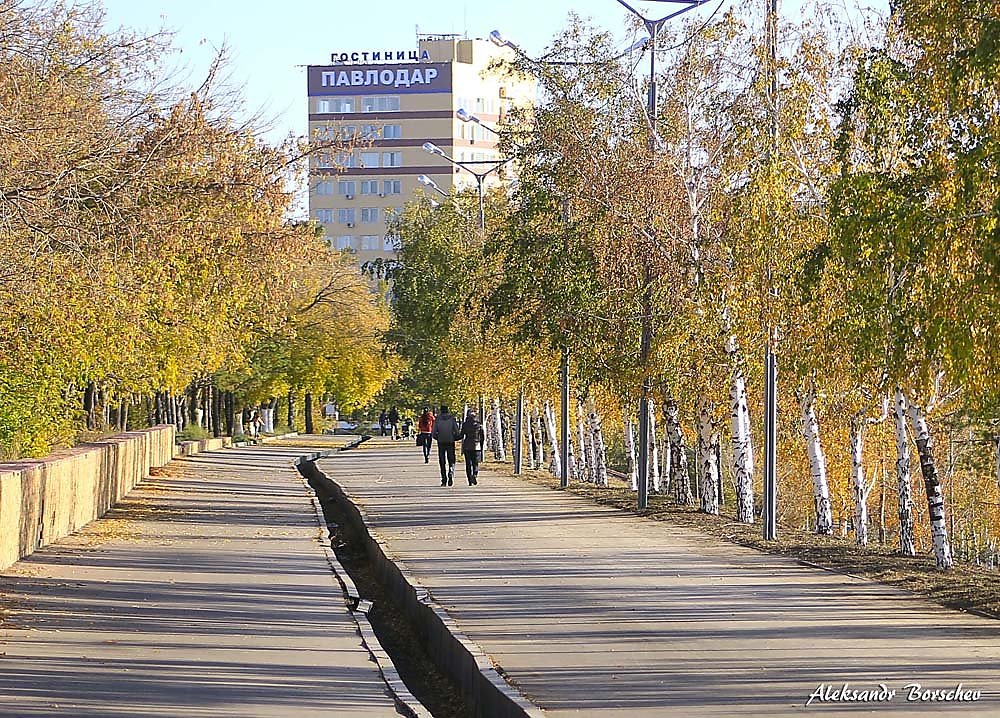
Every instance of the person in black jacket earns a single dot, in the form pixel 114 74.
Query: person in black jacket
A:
pixel 393 418
pixel 446 432
pixel 472 443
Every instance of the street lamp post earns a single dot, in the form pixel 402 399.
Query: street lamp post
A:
pixel 480 175
pixel 653 27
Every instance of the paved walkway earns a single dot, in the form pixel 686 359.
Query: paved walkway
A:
pixel 594 612
pixel 206 593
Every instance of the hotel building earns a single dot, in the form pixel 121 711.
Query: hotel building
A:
pixel 394 102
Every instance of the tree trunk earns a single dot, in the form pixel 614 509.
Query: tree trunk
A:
pixel 540 437
pixel 238 428
pixel 653 465
pixel 230 413
pixel 528 424
pixel 666 456
pixel 742 446
pixel 585 439
pixel 89 404
pixel 154 409
pixel 272 408
pixel 555 462
pixel 932 486
pixel 291 410
pixel 123 415
pixel 599 450
pixel 708 440
pixel 903 487
pixel 817 463
pixel 859 489
pixel 679 479
pixel 192 404
pixel 215 396
pixel 308 412
pixel 500 451
pixel 633 461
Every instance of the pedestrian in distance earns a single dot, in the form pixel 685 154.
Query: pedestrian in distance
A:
pixel 394 422
pixel 425 425
pixel 473 439
pixel 383 422
pixel 446 432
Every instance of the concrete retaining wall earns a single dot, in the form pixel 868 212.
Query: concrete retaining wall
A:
pixel 42 500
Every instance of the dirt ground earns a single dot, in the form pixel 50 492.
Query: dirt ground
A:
pixel 966 587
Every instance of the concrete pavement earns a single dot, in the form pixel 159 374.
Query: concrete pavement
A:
pixel 594 612
pixel 205 593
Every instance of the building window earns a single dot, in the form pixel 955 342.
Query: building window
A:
pixel 324 161
pixel 380 103
pixel 347 132
pixel 345 188
pixel 392 159
pixel 369 159
pixel 345 159
pixel 393 132
pixel 324 216
pixel 369 186
pixel 392 187
pixel 393 213
pixel 345 241
pixel 325 105
pixel 324 189
pixel 390 243
pixel 370 242
pixel 370 215
pixel 345 216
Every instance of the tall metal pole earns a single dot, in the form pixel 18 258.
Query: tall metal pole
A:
pixel 564 418
pixel 518 432
pixel 647 321
pixel 770 425
pixel 770 521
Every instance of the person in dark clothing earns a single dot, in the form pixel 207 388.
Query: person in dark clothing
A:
pixel 383 422
pixel 394 422
pixel 472 443
pixel 425 425
pixel 446 432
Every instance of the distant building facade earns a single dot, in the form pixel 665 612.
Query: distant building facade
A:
pixel 394 102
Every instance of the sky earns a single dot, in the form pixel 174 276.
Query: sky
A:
pixel 271 43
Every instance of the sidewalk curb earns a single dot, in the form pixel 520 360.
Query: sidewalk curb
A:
pixel 484 687
pixel 358 608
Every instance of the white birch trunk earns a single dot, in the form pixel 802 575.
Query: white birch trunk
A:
pixel 600 452
pixel 932 486
pixel 199 414
pixel 499 450
pixel 238 429
pixel 633 460
pixel 996 447
pixel 708 440
pixel 679 479
pixel 653 467
pixel 528 421
pixel 859 489
pixel 555 463
pixel 817 463
pixel 665 454
pixel 586 461
pixel 540 439
pixel 269 421
pixel 903 488
pixel 742 445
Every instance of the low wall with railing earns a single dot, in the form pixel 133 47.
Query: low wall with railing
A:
pixel 42 500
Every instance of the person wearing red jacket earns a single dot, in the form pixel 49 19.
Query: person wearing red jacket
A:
pixel 425 425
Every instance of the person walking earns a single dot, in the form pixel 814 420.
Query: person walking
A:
pixel 383 422
pixel 446 432
pixel 473 439
pixel 425 425
pixel 394 422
